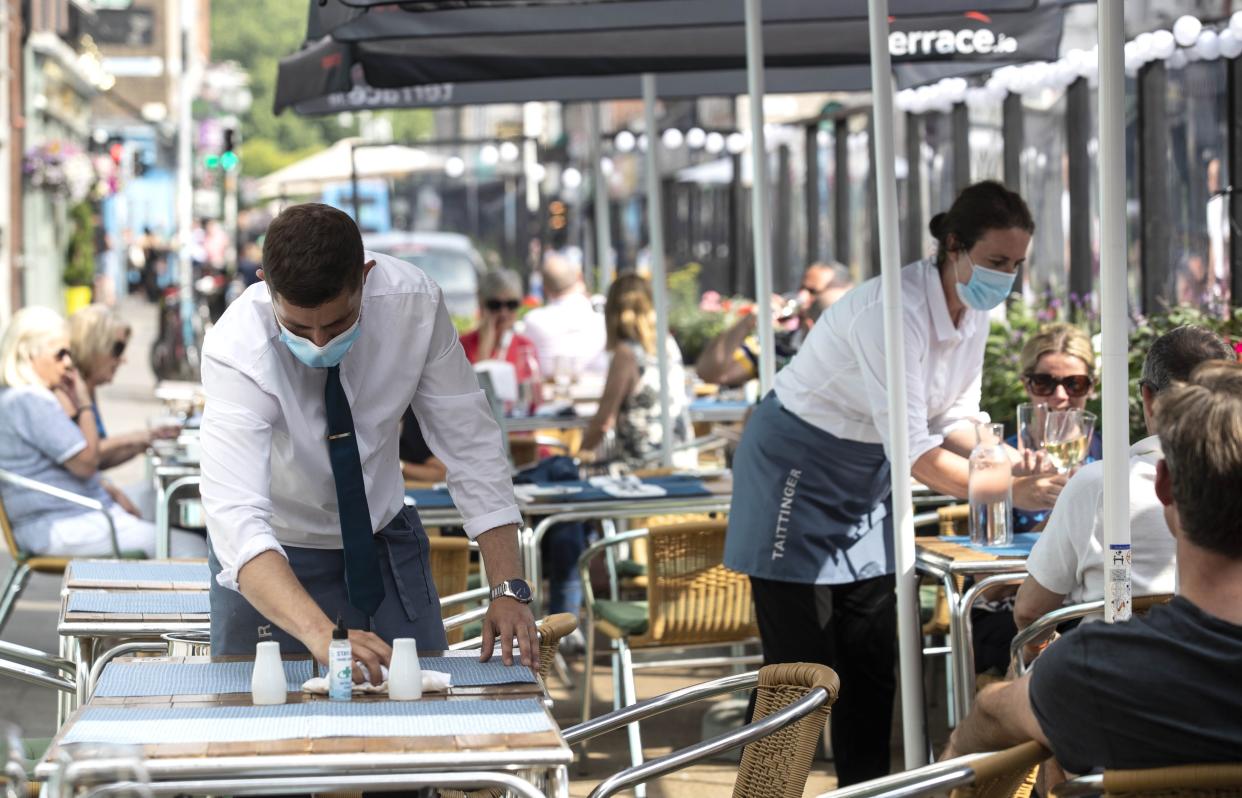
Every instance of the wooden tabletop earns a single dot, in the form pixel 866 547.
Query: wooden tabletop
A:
pixel 71 582
pixel 176 620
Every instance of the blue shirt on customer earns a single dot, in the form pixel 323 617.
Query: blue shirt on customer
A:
pixel 1028 520
pixel 36 438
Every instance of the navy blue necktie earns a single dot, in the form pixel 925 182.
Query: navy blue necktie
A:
pixel 363 581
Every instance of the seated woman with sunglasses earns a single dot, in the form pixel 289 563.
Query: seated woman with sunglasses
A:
pixel 1058 368
pixel 48 433
pixel 500 296
pixel 97 341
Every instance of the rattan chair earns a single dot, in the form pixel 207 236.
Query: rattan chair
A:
pixel 791 706
pixel 999 774
pixel 692 600
pixel 24 563
pixel 1222 780
pixel 449 561
pixel 552 630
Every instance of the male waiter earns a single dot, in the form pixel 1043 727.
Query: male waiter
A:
pixel 307 376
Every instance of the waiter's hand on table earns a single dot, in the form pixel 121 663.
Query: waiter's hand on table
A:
pixel 508 618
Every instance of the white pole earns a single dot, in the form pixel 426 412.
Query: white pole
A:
pixel 910 646
pixel 759 195
pixel 603 228
pixel 655 244
pixel 187 78
pixel 1114 320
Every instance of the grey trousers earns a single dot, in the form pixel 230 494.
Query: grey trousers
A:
pixel 411 607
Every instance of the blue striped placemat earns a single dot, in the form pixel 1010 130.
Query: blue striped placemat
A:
pixel 139 602
pixel 137 572
pixel 469 672
pixel 153 725
pixel 190 678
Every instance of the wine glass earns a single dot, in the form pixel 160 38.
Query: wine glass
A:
pixel 1032 422
pixel 1067 437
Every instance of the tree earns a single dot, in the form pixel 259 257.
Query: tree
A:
pixel 257 34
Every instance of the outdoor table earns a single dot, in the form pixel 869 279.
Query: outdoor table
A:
pixel 218 739
pixel 89 617
pixel 187 574
pixel 953 560
pixel 684 494
pixel 170 471
pixel 553 422
pixel 718 411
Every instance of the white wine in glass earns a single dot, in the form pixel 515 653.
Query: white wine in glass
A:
pixel 1066 454
pixel 1067 437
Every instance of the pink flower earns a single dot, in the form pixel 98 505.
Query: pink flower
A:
pixel 710 302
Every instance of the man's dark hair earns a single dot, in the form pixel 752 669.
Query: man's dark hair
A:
pixel 1174 355
pixel 312 254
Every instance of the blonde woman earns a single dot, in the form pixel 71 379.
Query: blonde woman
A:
pixel 48 434
pixel 631 400
pixel 97 341
pixel 1058 369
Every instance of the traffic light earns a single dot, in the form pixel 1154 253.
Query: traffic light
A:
pixel 228 157
pixel 556 215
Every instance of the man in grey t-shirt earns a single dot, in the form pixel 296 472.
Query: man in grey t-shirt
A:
pixel 1162 689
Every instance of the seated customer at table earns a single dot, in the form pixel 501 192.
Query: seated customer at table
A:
pixel 631 400
pixel 500 296
pixel 1067 561
pixel 1161 689
pixel 48 434
pixel 732 358
pixel 1058 370
pixel 418 464
pixel 97 341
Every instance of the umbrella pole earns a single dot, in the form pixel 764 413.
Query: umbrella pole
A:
pixel 655 244
pixel 910 645
pixel 1114 320
pixel 603 216
pixel 759 195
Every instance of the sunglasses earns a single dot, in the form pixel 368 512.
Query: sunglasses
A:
pixel 496 304
pixel 1077 386
pixel 118 349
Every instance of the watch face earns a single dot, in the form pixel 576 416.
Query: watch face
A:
pixel 521 590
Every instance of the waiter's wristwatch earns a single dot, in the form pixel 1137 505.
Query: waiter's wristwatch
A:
pixel 516 589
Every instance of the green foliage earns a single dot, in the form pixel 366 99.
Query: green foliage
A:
pixel 80 254
pixel 691 326
pixel 256 34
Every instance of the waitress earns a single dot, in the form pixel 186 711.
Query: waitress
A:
pixel 810 521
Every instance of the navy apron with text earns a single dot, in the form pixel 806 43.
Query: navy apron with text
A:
pixel 808 506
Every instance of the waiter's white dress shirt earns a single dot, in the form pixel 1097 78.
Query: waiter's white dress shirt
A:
pixel 267 481
pixel 838 383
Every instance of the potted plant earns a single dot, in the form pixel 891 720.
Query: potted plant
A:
pixel 79 274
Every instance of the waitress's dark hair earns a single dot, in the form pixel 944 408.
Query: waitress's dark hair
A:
pixel 981 207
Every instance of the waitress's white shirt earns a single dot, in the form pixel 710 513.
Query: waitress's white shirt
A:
pixel 837 380
pixel 267 481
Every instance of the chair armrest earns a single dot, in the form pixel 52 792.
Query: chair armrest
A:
pixel 1083 785
pixel 465 596
pixel 593 551
pixel 31 656
pixel 661 703
pixel 39 676
pixel 1044 625
pixel 724 742
pixel 50 490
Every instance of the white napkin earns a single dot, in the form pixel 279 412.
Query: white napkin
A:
pixel 433 682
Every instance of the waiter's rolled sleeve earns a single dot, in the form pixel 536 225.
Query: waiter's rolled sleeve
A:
pixel 964 410
pixel 236 440
pixel 458 425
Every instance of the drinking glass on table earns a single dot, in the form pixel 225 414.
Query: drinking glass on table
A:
pixel 1067 437
pixel 1032 422
pixel 163 427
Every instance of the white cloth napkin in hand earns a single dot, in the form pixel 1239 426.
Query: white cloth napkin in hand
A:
pixel 433 682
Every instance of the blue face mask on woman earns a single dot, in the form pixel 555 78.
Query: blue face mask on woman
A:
pixel 987 288
pixel 321 357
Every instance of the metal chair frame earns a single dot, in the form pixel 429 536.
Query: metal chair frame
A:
pixel 20 572
pixel 1047 623
pixel 940 778
pixel 1220 778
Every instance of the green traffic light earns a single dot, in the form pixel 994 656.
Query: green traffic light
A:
pixel 229 161
pixel 211 161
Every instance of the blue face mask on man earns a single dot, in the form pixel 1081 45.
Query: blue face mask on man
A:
pixel 321 357
pixel 987 288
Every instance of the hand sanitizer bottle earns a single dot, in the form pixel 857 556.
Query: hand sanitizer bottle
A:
pixel 340 664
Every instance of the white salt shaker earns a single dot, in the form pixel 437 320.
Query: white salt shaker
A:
pixel 405 676
pixel 267 683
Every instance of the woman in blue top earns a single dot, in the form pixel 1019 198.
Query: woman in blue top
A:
pixel 1058 370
